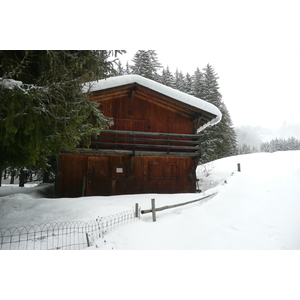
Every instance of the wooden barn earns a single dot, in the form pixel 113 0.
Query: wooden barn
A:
pixel 153 146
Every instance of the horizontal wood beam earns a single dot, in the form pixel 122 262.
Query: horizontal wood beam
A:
pixel 145 146
pixel 159 134
pixel 145 211
pixel 134 139
pixel 89 151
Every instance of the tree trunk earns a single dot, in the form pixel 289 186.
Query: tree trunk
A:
pixel 12 178
pixel 22 178
pixel 46 176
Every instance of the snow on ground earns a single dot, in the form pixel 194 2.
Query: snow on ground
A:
pixel 255 209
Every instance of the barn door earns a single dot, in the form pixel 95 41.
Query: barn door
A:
pixel 98 177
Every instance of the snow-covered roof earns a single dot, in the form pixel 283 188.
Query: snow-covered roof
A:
pixel 160 88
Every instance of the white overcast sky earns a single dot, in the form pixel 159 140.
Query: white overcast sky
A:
pixel 259 88
pixel 254 45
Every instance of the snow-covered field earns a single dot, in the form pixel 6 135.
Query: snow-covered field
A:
pixel 257 208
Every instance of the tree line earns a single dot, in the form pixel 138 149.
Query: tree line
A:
pixel 272 146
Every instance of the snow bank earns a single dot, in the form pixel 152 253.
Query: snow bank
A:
pixel 34 190
pixel 160 88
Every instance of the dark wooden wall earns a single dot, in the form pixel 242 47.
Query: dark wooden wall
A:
pixel 139 113
pixel 164 174
pixel 91 175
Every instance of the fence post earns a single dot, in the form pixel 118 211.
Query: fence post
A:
pixel 153 210
pixel 239 167
pixel 87 240
pixel 136 214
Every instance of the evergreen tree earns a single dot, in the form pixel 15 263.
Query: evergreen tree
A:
pixel 179 81
pixel 146 64
pixel 42 107
pixel 244 149
pixel 264 147
pixel 210 87
pixel 155 65
pixel 120 70
pixel 219 140
pixel 293 144
pixel 167 77
pixel 127 69
pixel 188 84
pixel 197 83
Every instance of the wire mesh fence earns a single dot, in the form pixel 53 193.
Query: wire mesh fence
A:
pixel 62 235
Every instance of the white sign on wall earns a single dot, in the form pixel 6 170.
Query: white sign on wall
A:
pixel 119 170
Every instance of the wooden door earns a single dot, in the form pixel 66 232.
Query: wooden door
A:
pixel 98 177
pixel 120 168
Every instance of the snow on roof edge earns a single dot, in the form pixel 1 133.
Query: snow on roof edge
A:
pixel 163 89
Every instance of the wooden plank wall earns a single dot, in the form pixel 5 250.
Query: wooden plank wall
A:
pixel 145 116
pixel 121 174
pixel 72 171
pixel 164 174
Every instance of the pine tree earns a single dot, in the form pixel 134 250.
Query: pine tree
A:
pixel 219 140
pixel 197 83
pixel 179 81
pixel 146 64
pixel 42 107
pixel 244 149
pixel 167 77
pixel 188 84
pixel 155 65
pixel 120 70
pixel 127 69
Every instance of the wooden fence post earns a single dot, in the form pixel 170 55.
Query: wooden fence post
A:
pixel 87 239
pixel 83 185
pixel 153 210
pixel 136 214
pixel 239 167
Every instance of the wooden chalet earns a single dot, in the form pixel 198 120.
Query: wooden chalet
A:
pixel 153 146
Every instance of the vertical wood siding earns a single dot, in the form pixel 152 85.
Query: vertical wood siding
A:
pixel 119 174
pixel 144 115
